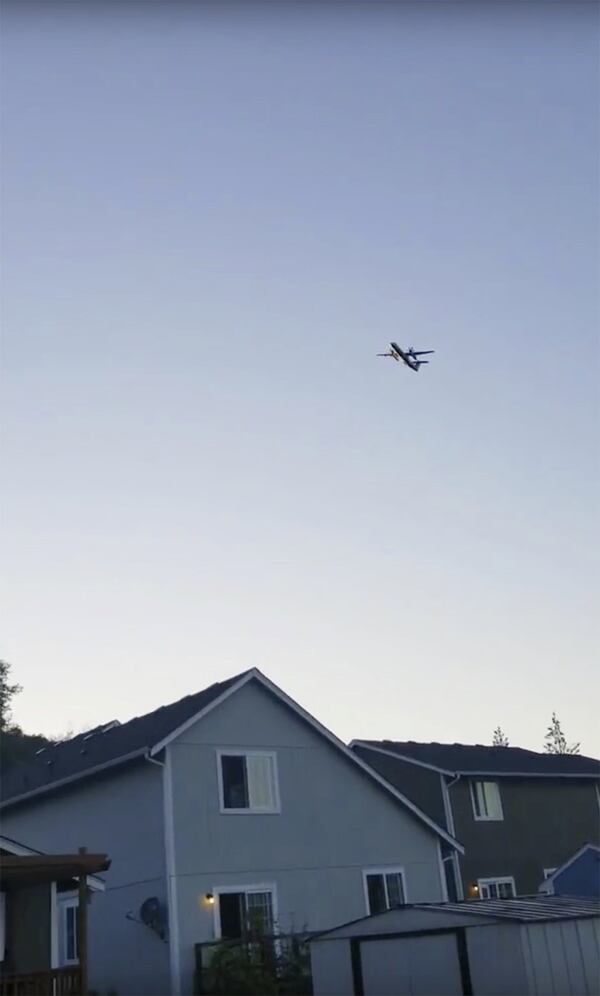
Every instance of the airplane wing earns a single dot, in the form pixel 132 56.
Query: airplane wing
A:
pixel 421 352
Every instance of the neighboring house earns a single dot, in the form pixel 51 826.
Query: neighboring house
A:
pixel 519 814
pixel 579 876
pixel 230 802
pixel 539 946
pixel 42 936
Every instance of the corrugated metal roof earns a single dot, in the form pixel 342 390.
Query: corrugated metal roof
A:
pixel 479 759
pixel 522 908
pixel 538 908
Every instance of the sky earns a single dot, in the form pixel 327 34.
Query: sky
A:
pixel 213 217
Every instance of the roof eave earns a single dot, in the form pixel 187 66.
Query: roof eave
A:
pixel 401 757
pixel 529 774
pixel 21 850
pixel 472 773
pixel 70 779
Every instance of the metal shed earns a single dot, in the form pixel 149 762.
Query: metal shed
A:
pixel 532 946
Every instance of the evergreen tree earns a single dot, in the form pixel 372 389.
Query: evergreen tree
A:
pixel 7 693
pixel 556 742
pixel 500 738
pixel 15 746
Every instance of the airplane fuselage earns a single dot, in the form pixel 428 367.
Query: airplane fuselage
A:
pixel 400 354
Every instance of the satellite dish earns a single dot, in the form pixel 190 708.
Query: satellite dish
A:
pixel 152 913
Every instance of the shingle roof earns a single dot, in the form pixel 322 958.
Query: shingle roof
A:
pixel 479 759
pixel 98 750
pixel 106 744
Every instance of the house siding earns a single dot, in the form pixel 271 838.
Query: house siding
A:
pixel 421 785
pixel 121 816
pixel 334 822
pixel 28 929
pixel 582 878
pixel 545 822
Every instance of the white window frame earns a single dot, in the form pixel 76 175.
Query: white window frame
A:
pixel 249 810
pixel 67 901
pixel 389 870
pixel 482 817
pixel 497 880
pixel 219 890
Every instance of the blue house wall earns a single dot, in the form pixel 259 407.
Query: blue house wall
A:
pixel 581 878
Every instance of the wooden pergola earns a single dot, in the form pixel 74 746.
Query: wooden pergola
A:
pixel 16 870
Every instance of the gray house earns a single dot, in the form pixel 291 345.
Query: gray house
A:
pixel 229 802
pixel 520 814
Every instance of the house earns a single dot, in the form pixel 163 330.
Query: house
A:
pixel 541 945
pixel 518 813
pixel 43 918
pixel 230 802
pixel 579 876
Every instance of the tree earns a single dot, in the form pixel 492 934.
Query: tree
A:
pixel 556 742
pixel 15 746
pixel 7 693
pixel 500 738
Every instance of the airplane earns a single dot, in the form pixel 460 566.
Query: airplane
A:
pixel 408 356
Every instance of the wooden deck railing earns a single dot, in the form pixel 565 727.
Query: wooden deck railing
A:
pixel 54 982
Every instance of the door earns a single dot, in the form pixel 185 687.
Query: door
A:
pixel 240 910
pixel 411 966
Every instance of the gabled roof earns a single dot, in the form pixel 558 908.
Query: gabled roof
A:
pixel 145 736
pixel 477 759
pixel 548 883
pixel 106 745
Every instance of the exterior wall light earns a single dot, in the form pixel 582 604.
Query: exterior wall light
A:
pixel 210 899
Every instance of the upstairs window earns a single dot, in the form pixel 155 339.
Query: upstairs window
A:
pixel 248 782
pixel 485 797
pixel 384 890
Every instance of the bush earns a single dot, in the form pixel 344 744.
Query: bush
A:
pixel 259 965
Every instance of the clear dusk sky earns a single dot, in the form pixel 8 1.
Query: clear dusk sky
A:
pixel 214 216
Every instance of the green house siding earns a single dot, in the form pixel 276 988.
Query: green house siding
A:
pixel 28 929
pixel 545 822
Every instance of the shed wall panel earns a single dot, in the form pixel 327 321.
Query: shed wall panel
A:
pixel 496 960
pixel 331 966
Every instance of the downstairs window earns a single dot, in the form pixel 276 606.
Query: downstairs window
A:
pixel 384 889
